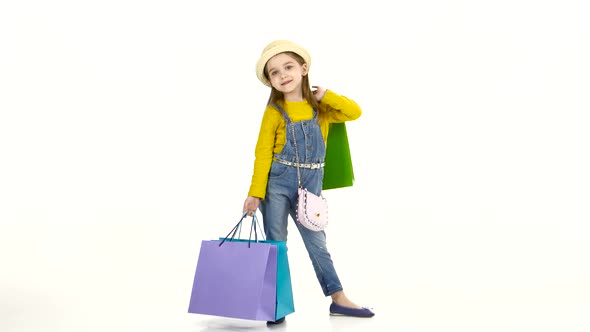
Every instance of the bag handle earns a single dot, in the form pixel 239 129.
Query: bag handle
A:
pixel 238 228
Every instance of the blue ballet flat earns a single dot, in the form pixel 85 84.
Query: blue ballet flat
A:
pixel 338 310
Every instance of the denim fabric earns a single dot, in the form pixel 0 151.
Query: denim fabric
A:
pixel 281 196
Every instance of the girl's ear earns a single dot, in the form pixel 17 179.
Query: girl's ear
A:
pixel 304 69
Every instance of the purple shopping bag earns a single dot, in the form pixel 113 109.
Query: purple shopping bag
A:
pixel 235 280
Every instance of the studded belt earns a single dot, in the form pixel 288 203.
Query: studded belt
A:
pixel 302 165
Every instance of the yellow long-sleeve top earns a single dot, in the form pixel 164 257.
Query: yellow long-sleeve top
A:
pixel 333 108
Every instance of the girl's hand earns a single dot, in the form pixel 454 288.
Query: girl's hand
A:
pixel 319 92
pixel 251 205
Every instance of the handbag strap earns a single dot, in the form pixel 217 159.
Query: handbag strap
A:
pixel 296 154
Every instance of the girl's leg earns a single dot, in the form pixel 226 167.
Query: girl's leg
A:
pixel 315 243
pixel 275 216
pixel 276 205
pixel 275 212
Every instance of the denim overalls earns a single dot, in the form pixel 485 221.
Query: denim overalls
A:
pixel 281 196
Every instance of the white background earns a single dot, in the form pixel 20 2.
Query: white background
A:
pixel 127 134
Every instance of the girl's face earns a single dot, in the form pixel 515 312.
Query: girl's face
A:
pixel 285 74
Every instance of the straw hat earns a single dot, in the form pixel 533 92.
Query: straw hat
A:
pixel 274 48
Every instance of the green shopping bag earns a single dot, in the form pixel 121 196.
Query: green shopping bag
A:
pixel 338 172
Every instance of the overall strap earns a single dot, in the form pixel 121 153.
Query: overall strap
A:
pixel 285 115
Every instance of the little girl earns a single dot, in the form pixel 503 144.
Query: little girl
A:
pixel 284 67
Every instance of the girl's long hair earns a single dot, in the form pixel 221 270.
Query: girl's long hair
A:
pixel 276 97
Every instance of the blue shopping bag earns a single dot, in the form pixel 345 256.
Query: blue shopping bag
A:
pixel 285 303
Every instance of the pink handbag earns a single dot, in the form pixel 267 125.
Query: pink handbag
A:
pixel 312 210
